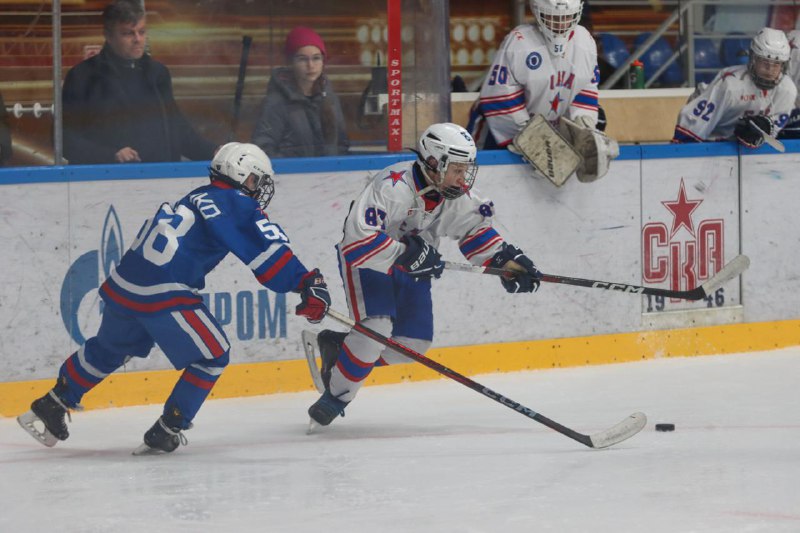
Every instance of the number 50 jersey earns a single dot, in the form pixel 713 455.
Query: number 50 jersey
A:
pixel 526 79
pixel 166 266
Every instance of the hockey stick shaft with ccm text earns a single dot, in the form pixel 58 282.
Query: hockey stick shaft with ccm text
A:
pixel 736 266
pixel 614 435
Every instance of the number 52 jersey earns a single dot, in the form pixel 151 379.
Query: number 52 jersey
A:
pixel 165 267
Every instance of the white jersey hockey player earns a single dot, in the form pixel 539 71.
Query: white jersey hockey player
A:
pixel 388 256
pixel 742 101
pixel 549 68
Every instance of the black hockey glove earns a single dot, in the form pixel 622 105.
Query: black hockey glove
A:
pixel 420 260
pixel 746 131
pixel 315 297
pixel 526 277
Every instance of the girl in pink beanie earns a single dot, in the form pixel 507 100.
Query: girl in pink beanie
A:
pixel 301 115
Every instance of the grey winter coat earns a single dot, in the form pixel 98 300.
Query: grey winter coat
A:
pixel 294 125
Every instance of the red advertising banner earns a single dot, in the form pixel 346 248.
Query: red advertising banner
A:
pixel 394 77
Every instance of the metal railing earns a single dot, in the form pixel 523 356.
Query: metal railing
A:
pixel 684 14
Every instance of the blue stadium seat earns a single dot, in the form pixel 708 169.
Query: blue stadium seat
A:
pixel 655 57
pixel 734 50
pixel 706 56
pixel 614 50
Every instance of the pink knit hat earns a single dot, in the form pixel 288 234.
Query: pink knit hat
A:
pixel 300 37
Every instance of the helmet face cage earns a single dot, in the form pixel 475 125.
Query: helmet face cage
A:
pixel 557 19
pixel 439 147
pixel 263 192
pixel 235 162
pixel 455 191
pixel 770 46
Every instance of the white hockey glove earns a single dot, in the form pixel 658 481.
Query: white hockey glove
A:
pixel 585 121
pixel 597 149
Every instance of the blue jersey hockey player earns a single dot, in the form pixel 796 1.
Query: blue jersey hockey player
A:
pixel 152 296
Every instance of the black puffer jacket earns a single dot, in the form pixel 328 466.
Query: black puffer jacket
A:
pixel 294 125
pixel 111 103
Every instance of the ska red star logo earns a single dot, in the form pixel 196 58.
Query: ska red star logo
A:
pixel 395 177
pixel 682 210
pixel 554 103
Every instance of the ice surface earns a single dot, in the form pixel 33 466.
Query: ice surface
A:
pixel 436 456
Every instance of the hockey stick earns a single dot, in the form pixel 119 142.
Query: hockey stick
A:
pixel 769 139
pixel 616 434
pixel 237 97
pixel 737 265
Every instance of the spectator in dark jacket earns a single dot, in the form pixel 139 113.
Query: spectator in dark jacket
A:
pixel 118 104
pixel 301 115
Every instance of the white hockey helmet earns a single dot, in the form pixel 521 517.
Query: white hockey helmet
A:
pixel 772 46
pixel 235 162
pixel 557 19
pixel 439 146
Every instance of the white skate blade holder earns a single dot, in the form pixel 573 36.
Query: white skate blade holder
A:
pixel 310 347
pixel 29 422
pixel 312 427
pixel 144 449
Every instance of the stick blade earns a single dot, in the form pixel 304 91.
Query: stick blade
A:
pixel 739 264
pixel 622 431
pixel 770 140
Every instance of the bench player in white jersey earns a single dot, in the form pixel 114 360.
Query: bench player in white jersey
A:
pixel 388 257
pixel 743 102
pixel 547 68
pixel 152 297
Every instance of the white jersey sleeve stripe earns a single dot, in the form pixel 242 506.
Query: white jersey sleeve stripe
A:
pixel 373 253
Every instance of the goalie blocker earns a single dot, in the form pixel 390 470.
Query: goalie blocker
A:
pixel 573 148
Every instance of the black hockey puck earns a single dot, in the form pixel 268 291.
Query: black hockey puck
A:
pixel 665 427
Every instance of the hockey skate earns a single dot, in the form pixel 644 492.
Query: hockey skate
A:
pixel 327 344
pixel 49 410
pixel 161 438
pixel 324 410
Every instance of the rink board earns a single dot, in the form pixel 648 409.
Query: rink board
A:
pixel 666 216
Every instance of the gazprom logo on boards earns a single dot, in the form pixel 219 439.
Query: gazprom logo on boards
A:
pixel 256 315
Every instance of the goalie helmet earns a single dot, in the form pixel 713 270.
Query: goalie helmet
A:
pixel 235 162
pixel 557 19
pixel 769 47
pixel 445 144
